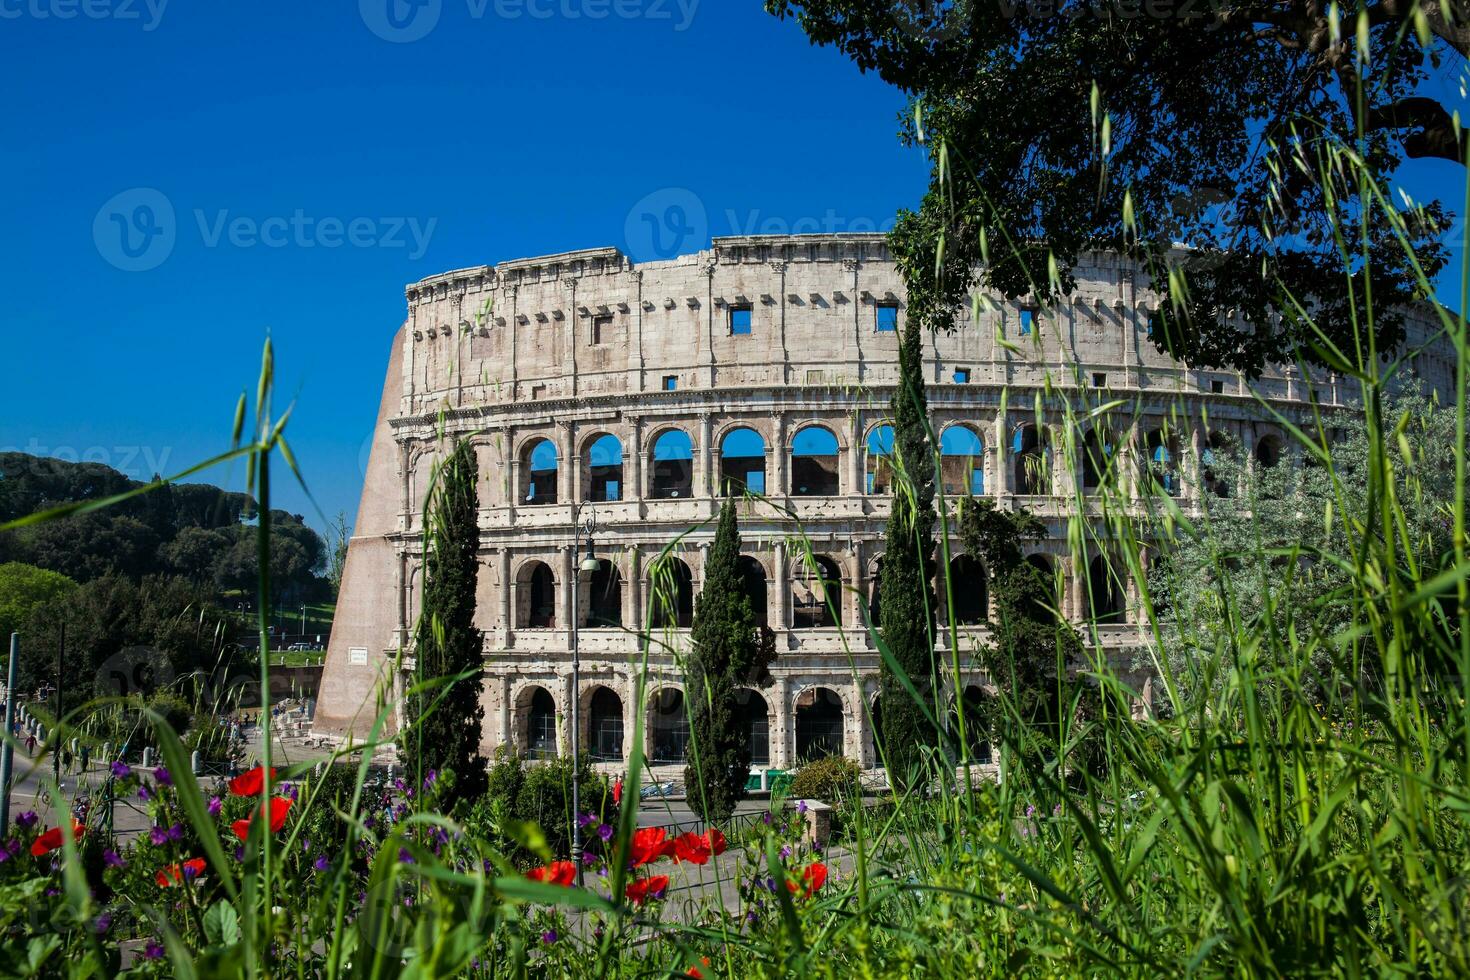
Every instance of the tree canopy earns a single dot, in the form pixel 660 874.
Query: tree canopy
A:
pixel 1190 136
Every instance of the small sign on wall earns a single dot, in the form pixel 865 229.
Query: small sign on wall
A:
pixel 357 656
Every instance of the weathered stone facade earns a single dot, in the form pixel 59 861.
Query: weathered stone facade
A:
pixel 785 337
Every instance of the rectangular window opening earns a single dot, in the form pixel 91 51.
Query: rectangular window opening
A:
pixel 1028 320
pixel 887 317
pixel 740 320
pixel 601 329
pixel 1099 379
pixel 671 382
pixel 961 376
pixel 1217 387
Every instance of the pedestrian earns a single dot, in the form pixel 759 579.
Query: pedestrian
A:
pixel 86 755
pixel 31 743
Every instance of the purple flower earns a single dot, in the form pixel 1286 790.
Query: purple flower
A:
pixel 584 819
pixel 52 892
pixel 190 870
pixel 176 832
pixel 215 803
pixel 121 770
pixel 290 790
pixel 1030 810
pixel 153 951
pixel 158 836
pixel 430 778
pixel 104 922
pixel 404 857
pixel 588 857
pixel 605 832
pixel 549 936
pixel 801 806
pixel 144 793
pixel 26 820
pixel 785 852
pixel 766 817
pixel 112 859
pixel 162 776
pixel 321 863
pixel 12 847
pixel 240 852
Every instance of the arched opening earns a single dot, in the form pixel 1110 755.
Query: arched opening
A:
pixel 962 461
pixel 539 709
pixel 879 459
pixel 605 725
pixel 670 594
pixel 753 715
pixel 1097 457
pixel 967 586
pixel 814 463
pixel 753 584
pixel 605 469
pixel 877 715
pixel 818 724
pixel 668 726
pixel 536 597
pixel 538 485
pixel 604 606
pixel 1043 598
pixel 1163 461
pixel 1268 451
pixel 1032 462
pixel 1105 591
pixel 672 474
pixel 816 594
pixel 742 462
pixel 1215 451
pixel 875 599
pixel 976 704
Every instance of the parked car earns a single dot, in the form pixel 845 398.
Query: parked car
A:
pixel 303 647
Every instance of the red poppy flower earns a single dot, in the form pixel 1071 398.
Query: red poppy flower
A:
pixel 812 880
pixel 692 848
pixel 649 845
pixel 51 839
pixel 250 783
pixel 693 971
pixel 647 889
pixel 279 807
pixel 562 873
pixel 174 873
pixel 715 841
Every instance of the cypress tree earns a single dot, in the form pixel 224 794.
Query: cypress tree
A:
pixel 445 736
pixel 906 592
pixel 726 652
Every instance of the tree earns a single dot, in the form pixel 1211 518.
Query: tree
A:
pixel 725 653
pixel 1060 127
pixel 1030 644
pixel 22 589
pixel 444 733
pixel 195 552
pixel 341 535
pixel 906 592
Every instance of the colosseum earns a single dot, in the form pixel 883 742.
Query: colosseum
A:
pixel 639 395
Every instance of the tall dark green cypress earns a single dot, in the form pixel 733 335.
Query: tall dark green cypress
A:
pixel 906 592
pixel 725 654
pixel 447 643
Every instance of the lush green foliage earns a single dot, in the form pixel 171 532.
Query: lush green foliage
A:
pixel 24 587
pixel 831 779
pixel 907 681
pixel 723 655
pixel 1192 116
pixel 445 708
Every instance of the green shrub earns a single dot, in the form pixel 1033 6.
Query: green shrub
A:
pixel 831 780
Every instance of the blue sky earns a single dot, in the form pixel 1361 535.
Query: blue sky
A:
pixel 499 134
pixel 303 161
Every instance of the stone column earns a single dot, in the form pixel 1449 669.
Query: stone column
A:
pixel 633 591
pixel 781 458
pixel 568 586
pixel 704 453
pixel 506 585
pixel 781 730
pixel 781 589
pixel 569 698
pixel 856 458
pixel 507 712
pixel 1002 470
pixel 513 498
pixel 633 458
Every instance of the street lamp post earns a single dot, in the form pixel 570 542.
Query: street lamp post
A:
pixel 580 525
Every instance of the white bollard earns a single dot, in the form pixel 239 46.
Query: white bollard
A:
pixel 194 765
pixel 147 758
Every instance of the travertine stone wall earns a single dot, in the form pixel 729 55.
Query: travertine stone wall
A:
pixel 575 347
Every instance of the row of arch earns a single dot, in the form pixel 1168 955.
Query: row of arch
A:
pixel 818 720
pixel 815 454
pixel 816 597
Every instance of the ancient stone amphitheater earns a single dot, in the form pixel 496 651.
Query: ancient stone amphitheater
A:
pixel 640 395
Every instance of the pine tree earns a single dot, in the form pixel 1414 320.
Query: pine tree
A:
pixel 906 592
pixel 726 652
pixel 445 736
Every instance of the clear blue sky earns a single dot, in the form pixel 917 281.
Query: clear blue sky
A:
pixel 414 135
